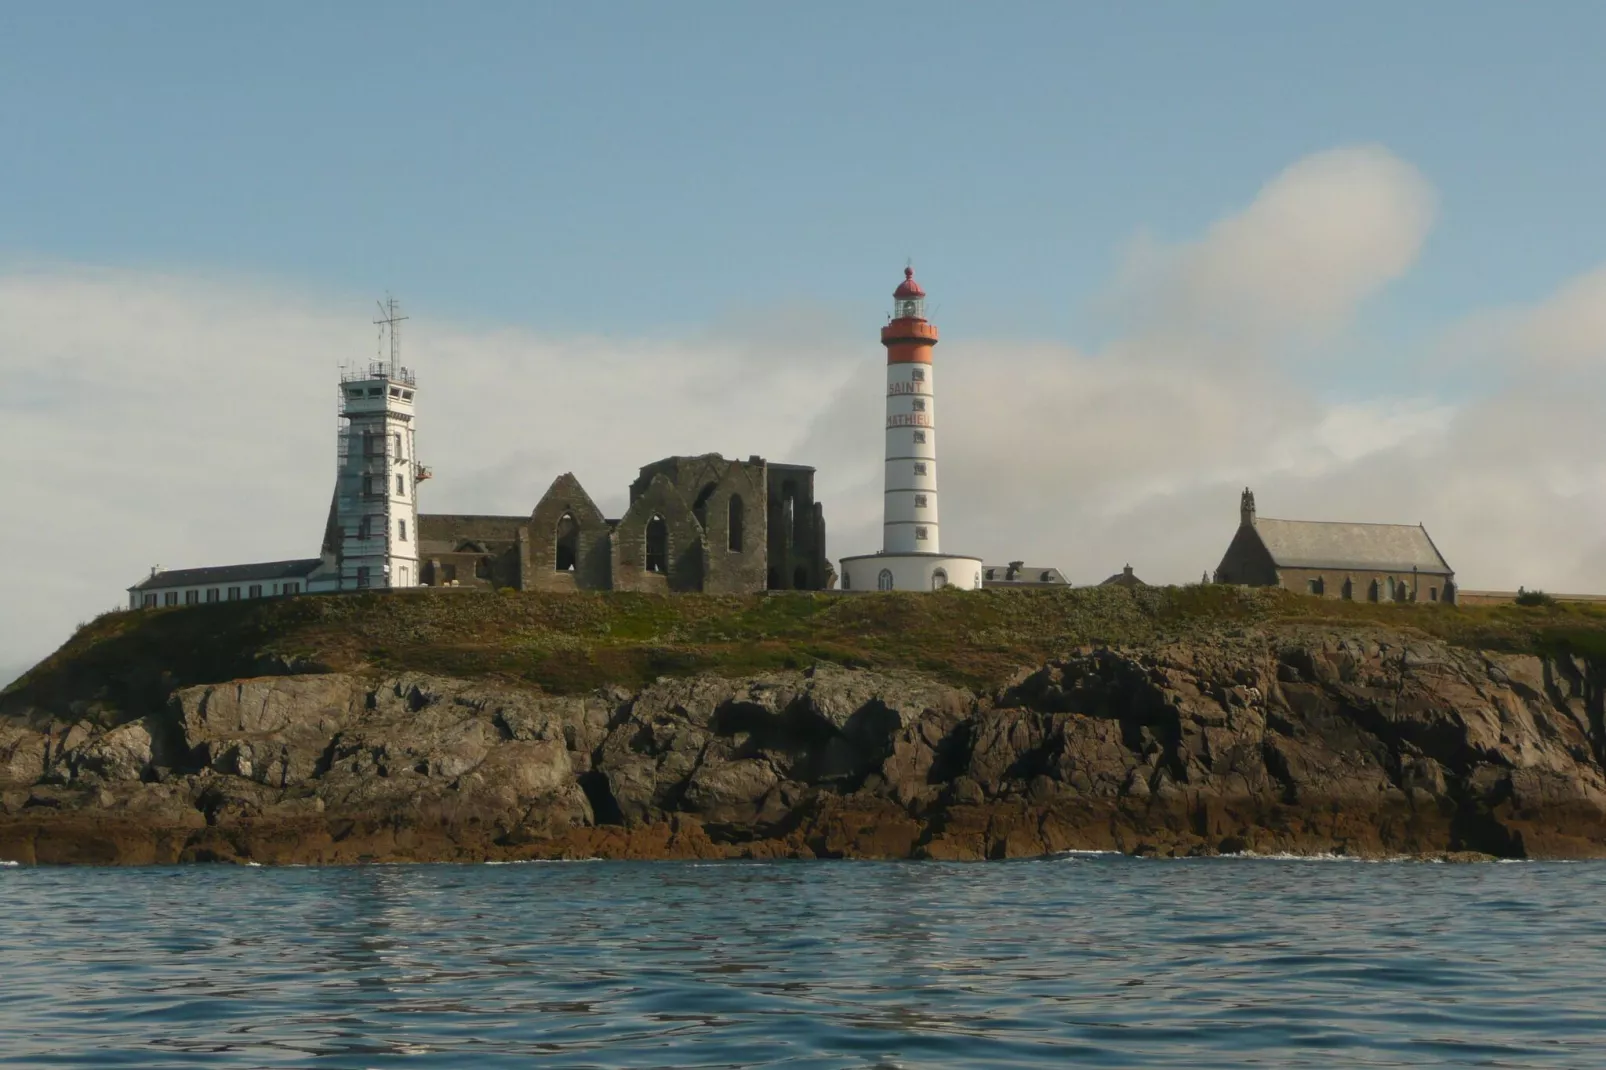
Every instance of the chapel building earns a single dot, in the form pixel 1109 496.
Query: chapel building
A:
pixel 1335 559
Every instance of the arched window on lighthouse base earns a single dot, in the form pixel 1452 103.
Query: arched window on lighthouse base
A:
pixel 883 582
pixel 939 580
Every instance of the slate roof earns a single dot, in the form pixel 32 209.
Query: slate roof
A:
pixel 1034 575
pixel 1340 545
pixel 1124 578
pixel 221 574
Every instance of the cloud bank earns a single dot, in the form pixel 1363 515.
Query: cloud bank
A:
pixel 175 420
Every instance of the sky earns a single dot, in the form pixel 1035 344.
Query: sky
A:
pixel 1351 255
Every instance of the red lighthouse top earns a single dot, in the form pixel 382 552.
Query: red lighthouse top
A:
pixel 908 287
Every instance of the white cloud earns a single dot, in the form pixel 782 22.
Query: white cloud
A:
pixel 169 419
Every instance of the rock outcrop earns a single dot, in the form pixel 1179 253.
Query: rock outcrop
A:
pixel 1275 741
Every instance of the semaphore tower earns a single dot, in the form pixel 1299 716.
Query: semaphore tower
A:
pixel 911 555
pixel 377 476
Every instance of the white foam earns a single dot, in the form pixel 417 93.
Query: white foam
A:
pixel 3 862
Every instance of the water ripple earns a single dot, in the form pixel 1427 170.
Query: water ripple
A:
pixel 1094 960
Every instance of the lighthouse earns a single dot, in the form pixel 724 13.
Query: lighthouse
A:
pixel 911 556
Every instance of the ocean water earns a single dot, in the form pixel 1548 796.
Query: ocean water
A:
pixel 1078 960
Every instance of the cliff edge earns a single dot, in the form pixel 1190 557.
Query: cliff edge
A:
pixel 1271 733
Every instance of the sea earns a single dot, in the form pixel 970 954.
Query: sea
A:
pixel 1076 960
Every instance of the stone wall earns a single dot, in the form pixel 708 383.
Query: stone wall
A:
pixel 568 530
pixel 679 566
pixel 1416 587
pixel 796 530
pixel 472 550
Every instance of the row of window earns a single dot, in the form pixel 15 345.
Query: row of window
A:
pixel 355 393
pixel 372 485
pixel 566 553
pixel 216 594
pixel 884 581
pixel 367 528
pixel 373 444
pixel 1388 591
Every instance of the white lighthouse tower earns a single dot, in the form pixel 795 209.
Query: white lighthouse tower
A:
pixel 911 557
pixel 376 502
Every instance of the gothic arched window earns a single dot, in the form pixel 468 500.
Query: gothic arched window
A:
pixel 657 545
pixel 883 582
pixel 567 553
pixel 939 580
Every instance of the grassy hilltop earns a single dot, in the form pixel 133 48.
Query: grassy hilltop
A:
pixel 574 642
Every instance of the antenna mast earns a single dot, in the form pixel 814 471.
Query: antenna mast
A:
pixel 389 321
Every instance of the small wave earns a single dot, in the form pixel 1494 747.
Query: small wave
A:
pixel 1087 852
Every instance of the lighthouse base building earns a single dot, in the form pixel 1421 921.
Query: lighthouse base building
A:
pixel 910 572
pixel 911 557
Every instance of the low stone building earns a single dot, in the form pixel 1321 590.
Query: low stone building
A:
pixel 1330 559
pixel 693 524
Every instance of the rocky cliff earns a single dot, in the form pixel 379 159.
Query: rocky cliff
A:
pixel 1278 739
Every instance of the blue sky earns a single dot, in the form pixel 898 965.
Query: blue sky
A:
pixel 627 168
pixel 1351 254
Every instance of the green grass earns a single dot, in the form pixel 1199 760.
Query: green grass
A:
pixel 575 642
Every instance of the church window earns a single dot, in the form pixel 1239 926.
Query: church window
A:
pixel 254 591
pixel 401 530
pixel 920 501
pixel 789 512
pixel 234 594
pixel 1371 591
pixel 567 553
pixel 362 575
pixel 699 508
pixel 920 533
pixel 920 404
pixel 736 520
pixel 1393 594
pixel 1347 592
pixel 170 598
pixel 883 582
pixel 657 545
pixel 917 375
pixel 939 580
pixel 920 438
pixel 920 468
